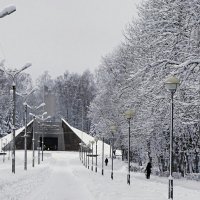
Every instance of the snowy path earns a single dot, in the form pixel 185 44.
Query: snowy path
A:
pixel 61 176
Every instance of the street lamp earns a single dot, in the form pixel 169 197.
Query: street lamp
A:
pixel 35 108
pixel 113 130
pixel 171 84
pixel 7 11
pixel 25 130
pixel 13 75
pixel 102 170
pixel 96 140
pixel 129 116
pixel 92 142
pixel 88 147
pixel 41 118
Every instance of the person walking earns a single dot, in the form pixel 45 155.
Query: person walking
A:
pixel 106 161
pixel 148 170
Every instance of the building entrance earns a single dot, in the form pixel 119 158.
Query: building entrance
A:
pixel 50 143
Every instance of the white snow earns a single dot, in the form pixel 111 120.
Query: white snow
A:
pixel 62 176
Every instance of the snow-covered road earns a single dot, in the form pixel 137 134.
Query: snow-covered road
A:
pixel 61 176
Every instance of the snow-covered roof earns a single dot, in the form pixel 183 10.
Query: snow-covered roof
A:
pixel 87 138
pixel 8 138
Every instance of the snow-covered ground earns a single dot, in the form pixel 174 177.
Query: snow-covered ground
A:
pixel 62 176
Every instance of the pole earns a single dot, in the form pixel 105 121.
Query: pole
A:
pixel 42 139
pixel 129 130
pixel 171 148
pixel 88 157
pixel 4 152
pixel 13 143
pixel 25 140
pixel 84 155
pixel 33 144
pixel 102 171
pixel 86 162
pixel 112 157
pixel 96 158
pixel 39 150
pixel 92 157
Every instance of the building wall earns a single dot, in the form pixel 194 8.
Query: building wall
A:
pixel 71 139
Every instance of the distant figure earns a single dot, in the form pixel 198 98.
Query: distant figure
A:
pixel 106 161
pixel 148 170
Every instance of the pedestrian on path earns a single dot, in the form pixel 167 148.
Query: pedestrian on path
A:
pixel 148 170
pixel 106 161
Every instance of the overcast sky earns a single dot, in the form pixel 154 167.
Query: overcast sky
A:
pixel 60 35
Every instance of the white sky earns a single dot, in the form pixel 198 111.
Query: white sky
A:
pixel 60 35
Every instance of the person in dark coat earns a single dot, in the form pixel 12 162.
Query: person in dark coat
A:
pixel 106 161
pixel 148 170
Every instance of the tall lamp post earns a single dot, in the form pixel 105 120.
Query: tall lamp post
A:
pixel 129 116
pixel 171 84
pixel 113 130
pixel 13 75
pixel 102 170
pixel 96 140
pixel 41 118
pixel 88 146
pixel 35 108
pixel 92 143
pixel 25 130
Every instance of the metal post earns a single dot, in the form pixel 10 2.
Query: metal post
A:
pixel 86 162
pixel 92 157
pixel 84 155
pixel 88 158
pixel 112 156
pixel 33 144
pixel 39 150
pixel 42 140
pixel 25 140
pixel 82 152
pixel 129 130
pixel 96 158
pixel 13 139
pixel 4 152
pixel 102 171
pixel 171 149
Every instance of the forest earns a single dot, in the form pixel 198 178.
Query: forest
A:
pixel 163 40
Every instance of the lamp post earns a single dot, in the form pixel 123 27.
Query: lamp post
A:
pixel 171 84
pixel 7 11
pixel 113 130
pixel 13 75
pixel 38 150
pixel 129 115
pixel 92 142
pixel 33 143
pixel 33 138
pixel 25 138
pixel 88 146
pixel 96 140
pixel 102 170
pixel 41 117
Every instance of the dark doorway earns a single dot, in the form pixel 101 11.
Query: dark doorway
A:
pixel 50 143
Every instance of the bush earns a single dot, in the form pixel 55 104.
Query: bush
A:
pixel 193 176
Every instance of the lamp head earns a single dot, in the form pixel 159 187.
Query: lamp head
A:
pixel 96 139
pixel 172 83
pixel 113 129
pixel 129 114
